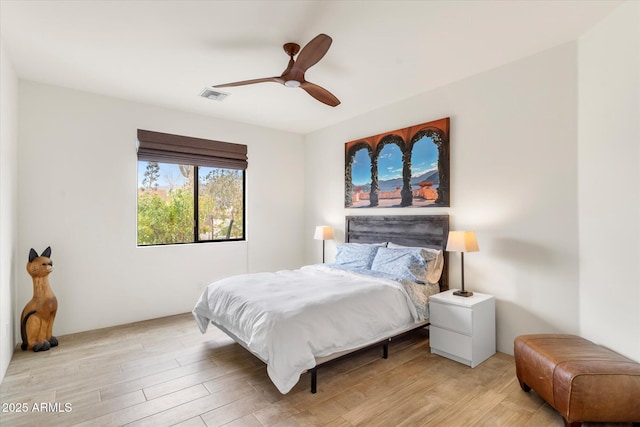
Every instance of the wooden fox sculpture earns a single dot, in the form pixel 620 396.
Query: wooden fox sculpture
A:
pixel 36 323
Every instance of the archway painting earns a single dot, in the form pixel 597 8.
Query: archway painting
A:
pixel 403 168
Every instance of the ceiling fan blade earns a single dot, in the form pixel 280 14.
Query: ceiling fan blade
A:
pixel 320 93
pixel 276 79
pixel 312 53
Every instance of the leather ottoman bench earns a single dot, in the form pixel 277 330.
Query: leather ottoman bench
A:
pixel 583 381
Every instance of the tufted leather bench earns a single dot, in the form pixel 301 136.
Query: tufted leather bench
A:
pixel 583 381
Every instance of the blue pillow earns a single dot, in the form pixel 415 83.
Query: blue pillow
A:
pixel 357 255
pixel 434 258
pixel 407 263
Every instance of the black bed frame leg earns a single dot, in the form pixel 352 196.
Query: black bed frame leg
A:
pixel 314 380
pixel 314 371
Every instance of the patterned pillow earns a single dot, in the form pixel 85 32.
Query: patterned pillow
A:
pixel 357 255
pixel 434 258
pixel 403 263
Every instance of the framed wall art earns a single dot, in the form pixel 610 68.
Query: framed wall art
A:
pixel 403 168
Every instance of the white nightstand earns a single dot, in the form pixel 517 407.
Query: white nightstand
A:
pixel 463 328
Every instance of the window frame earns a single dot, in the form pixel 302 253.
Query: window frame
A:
pixel 165 148
pixel 196 202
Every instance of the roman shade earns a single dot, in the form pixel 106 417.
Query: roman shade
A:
pixel 167 148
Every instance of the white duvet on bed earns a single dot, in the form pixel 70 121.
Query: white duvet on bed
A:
pixel 289 317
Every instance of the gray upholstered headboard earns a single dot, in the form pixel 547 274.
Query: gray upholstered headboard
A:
pixel 408 230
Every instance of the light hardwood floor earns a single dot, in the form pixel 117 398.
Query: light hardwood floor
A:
pixel 164 372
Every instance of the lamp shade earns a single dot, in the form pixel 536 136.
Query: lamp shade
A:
pixel 323 232
pixel 462 241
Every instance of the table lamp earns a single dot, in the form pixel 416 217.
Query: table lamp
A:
pixel 462 241
pixel 323 232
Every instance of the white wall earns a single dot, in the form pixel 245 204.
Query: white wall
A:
pixel 8 205
pixel 609 181
pixel 77 192
pixel 513 180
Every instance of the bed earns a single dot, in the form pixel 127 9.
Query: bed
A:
pixel 297 320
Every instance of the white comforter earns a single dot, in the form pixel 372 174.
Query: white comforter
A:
pixel 289 317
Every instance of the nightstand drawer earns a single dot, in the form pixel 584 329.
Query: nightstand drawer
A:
pixel 450 342
pixel 452 317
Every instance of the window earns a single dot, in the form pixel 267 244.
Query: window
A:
pixel 189 190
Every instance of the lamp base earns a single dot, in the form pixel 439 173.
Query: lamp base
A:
pixel 463 293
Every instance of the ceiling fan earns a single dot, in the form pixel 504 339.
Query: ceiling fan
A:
pixel 293 75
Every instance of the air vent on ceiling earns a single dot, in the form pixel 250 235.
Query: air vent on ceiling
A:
pixel 216 95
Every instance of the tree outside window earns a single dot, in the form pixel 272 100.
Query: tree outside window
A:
pixel 172 209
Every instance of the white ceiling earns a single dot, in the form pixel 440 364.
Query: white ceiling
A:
pixel 165 52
